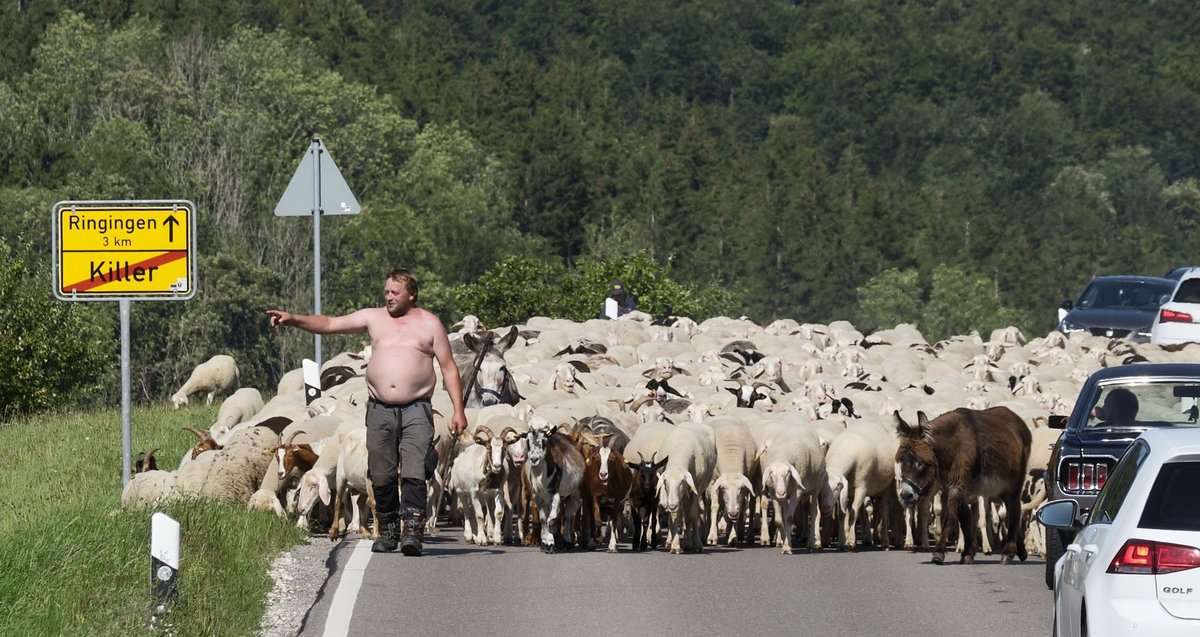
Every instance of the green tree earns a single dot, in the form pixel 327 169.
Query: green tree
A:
pixel 52 353
pixel 888 299
pixel 961 302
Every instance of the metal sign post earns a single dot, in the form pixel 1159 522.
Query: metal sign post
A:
pixel 317 188
pixel 124 251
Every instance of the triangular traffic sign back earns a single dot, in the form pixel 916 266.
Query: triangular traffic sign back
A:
pixel 317 172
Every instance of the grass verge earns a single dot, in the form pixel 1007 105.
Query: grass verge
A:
pixel 76 562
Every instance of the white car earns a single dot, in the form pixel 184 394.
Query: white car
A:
pixel 1134 568
pixel 1178 320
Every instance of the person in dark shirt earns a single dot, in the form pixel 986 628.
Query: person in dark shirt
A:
pixel 625 301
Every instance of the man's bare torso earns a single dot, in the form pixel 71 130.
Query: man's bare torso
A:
pixel 401 367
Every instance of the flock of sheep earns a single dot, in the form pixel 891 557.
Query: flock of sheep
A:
pixel 707 431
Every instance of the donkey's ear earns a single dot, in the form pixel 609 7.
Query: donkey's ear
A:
pixel 924 424
pixel 508 339
pixel 472 341
pixel 902 427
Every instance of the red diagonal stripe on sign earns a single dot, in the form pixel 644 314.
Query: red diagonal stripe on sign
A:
pixel 87 284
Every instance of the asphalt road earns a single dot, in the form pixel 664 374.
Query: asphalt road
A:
pixel 460 589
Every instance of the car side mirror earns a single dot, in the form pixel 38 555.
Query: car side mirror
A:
pixel 1059 514
pixel 1056 422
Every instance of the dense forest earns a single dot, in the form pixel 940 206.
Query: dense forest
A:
pixel 955 164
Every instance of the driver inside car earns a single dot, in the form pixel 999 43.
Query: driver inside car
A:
pixel 1119 410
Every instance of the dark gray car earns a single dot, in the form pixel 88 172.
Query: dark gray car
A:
pixel 1116 307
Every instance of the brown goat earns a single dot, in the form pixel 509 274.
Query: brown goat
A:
pixel 970 453
pixel 145 462
pixel 606 483
pixel 204 442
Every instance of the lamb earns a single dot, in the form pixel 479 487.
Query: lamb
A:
pixel 691 454
pixel 351 475
pixel 794 474
pixel 731 495
pixel 216 375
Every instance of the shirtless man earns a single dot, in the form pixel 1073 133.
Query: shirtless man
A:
pixel 405 340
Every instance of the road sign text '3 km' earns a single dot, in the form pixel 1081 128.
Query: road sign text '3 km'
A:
pixel 114 250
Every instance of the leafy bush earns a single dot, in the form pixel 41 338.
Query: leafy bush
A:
pixel 49 349
pixel 522 286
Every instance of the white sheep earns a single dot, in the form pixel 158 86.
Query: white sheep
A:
pixel 218 374
pixel 731 494
pixel 691 454
pixel 860 464
pixel 148 489
pixel 240 406
pixel 352 483
pixel 233 472
pixel 793 474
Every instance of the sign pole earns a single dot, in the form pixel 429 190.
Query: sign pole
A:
pixel 316 215
pixel 126 409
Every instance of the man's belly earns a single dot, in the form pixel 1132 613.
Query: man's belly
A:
pixel 398 380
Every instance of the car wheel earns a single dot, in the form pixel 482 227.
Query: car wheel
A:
pixel 1054 550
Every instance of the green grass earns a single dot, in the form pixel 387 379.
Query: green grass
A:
pixel 76 562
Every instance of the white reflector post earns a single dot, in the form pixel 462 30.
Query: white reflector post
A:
pixel 312 380
pixel 164 559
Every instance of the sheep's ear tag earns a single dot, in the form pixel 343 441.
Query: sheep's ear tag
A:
pixel 312 381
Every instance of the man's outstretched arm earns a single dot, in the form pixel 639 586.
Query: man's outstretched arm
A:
pixel 319 323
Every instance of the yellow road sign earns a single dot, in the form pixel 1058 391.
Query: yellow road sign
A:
pixel 106 250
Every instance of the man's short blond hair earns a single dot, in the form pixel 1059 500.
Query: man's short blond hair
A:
pixel 403 275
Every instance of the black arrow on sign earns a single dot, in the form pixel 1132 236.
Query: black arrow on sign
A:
pixel 171 222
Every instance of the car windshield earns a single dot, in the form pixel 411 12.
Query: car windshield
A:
pixel 1146 402
pixel 1107 293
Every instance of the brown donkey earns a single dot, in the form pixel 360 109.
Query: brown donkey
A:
pixel 967 453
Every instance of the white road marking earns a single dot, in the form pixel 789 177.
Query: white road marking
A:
pixel 337 623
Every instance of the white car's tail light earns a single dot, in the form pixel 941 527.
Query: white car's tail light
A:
pixel 1143 557
pixel 1173 316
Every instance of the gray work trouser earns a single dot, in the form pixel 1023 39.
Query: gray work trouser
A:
pixel 399 436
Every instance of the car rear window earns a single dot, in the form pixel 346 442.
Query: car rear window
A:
pixel 1174 502
pixel 1188 292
